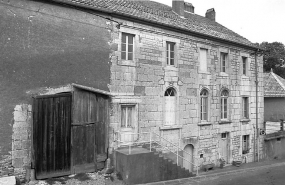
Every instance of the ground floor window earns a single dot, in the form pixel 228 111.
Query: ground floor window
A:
pixel 127 116
pixel 245 144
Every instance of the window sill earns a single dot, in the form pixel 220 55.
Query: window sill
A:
pixel 127 63
pixel 204 72
pixel 244 77
pixel 223 74
pixel 245 120
pixel 174 127
pixel 202 123
pixel 225 121
pixel 171 68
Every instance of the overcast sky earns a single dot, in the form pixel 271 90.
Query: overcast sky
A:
pixel 256 20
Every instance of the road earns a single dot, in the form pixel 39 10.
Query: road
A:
pixel 266 176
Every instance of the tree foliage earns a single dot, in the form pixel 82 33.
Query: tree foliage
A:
pixel 274 57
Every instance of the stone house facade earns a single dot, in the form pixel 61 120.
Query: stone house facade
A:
pixel 167 70
pixel 198 93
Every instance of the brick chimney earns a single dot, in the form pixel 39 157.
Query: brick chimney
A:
pixel 211 14
pixel 178 7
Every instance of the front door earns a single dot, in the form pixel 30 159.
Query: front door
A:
pixel 224 146
pixel 188 155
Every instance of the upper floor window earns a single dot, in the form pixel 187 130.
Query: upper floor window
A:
pixel 127 46
pixel 203 59
pixel 170 53
pixel 127 116
pixel 224 104
pixel 245 107
pixel 204 105
pixel 223 59
pixel 244 66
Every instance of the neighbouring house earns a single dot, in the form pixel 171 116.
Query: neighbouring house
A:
pixel 274 114
pixel 83 81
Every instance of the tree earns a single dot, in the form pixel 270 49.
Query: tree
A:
pixel 274 57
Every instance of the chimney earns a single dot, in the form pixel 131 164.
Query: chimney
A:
pixel 211 14
pixel 188 9
pixel 178 7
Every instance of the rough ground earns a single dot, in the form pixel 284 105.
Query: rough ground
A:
pixel 80 179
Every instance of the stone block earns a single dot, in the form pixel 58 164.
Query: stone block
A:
pixel 139 90
pixel 17 162
pixel 8 180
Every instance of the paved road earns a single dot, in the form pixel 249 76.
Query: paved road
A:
pixel 267 176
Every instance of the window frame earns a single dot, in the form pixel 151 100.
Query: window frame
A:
pixel 206 60
pixel 223 61
pixel 245 108
pixel 133 109
pixel 204 105
pixel 168 53
pixel 244 65
pixel 127 44
pixel 245 144
pixel 224 98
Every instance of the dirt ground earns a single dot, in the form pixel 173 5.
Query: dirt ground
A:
pixel 81 179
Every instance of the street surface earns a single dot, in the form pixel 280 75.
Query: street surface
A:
pixel 266 176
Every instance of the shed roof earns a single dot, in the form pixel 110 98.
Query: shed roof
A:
pixel 274 85
pixel 162 14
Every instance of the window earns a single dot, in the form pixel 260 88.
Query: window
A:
pixel 203 60
pixel 245 114
pixel 245 144
pixel 223 59
pixel 204 105
pixel 224 104
pixel 127 116
pixel 244 66
pixel 224 135
pixel 170 106
pixel 127 46
pixel 170 53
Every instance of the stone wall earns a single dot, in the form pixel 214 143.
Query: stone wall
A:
pixel 21 140
pixel 143 81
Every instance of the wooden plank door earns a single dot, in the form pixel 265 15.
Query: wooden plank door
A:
pixel 89 131
pixel 51 135
pixel 85 115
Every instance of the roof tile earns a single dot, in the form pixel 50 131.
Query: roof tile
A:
pixel 161 13
pixel 274 85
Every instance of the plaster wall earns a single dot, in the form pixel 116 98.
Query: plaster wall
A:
pixel 274 109
pixel 44 46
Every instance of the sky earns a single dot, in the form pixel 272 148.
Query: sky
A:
pixel 256 20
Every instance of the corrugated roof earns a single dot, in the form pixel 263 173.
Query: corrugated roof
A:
pixel 274 85
pixel 160 13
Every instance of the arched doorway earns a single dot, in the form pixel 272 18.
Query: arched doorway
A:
pixel 170 106
pixel 188 155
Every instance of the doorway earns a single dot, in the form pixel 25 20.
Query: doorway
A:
pixel 188 155
pixel 224 146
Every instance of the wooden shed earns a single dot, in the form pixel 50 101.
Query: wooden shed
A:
pixel 70 132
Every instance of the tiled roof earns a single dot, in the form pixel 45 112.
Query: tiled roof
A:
pixel 162 14
pixel 274 85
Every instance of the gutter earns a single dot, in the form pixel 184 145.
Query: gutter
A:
pixel 155 24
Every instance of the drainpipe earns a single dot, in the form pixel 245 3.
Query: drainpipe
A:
pixel 256 105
